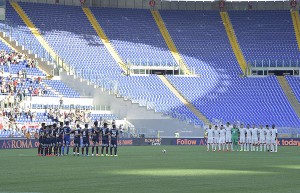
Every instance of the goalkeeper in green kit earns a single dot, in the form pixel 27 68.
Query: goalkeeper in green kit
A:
pixel 235 137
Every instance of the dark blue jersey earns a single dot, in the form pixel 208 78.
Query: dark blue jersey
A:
pixel 104 133
pixel 114 133
pixel 85 134
pixel 96 132
pixel 53 133
pixel 41 133
pixel 67 130
pixel 60 133
pixel 76 133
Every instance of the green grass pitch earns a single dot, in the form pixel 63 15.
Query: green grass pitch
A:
pixel 146 169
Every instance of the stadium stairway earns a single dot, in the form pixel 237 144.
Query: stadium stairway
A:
pixel 233 41
pixel 296 23
pixel 289 94
pixel 164 32
pixel 39 37
pixel 183 100
pixel 104 38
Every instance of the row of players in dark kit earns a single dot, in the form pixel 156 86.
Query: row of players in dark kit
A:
pixel 55 139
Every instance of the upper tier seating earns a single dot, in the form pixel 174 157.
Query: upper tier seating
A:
pixel 201 39
pixel 266 35
pixel 135 36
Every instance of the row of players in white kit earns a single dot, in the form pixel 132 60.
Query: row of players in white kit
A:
pixel 250 139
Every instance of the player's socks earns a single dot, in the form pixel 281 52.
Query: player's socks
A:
pixel 106 151
pixel 110 150
pixel 207 147
pixel 63 150
pixel 257 148
pixel 39 150
pixel 276 147
pixel 87 150
pixel 115 149
pixel 42 150
pixel 93 148
pixel 260 147
pixel 74 150
pixel 68 150
pixel 102 149
pixel 82 150
pixel 231 146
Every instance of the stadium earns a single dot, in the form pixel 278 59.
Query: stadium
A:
pixel 161 95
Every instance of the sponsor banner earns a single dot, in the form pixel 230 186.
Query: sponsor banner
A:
pixel 288 142
pixel 21 143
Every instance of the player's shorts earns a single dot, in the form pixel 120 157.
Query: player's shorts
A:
pixel 95 140
pixel 235 140
pixel 210 140
pixel 67 141
pixel 47 141
pixel 114 143
pixel 242 140
pixel 59 141
pixel 77 142
pixel 85 142
pixel 216 140
pixel 105 142
pixel 255 140
pixel 222 140
pixel 273 141
pixel 262 140
pixel 41 141
pixel 268 141
pixel 228 139
pixel 248 140
pixel 53 141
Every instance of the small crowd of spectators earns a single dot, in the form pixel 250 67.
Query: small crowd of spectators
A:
pixel 13 57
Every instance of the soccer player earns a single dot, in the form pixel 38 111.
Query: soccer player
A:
pixel 262 138
pixel 77 133
pixel 210 137
pixel 59 138
pixel 53 139
pixel 67 138
pixel 95 138
pixel 235 137
pixel 48 140
pixel 248 138
pixel 114 137
pixel 104 138
pixel 268 137
pixel 222 138
pixel 242 137
pixel 41 140
pixel 254 133
pixel 85 140
pixel 274 134
pixel 216 138
pixel 228 136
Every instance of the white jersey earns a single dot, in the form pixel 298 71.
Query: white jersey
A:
pixel 228 132
pixel 242 132
pixel 210 133
pixel 210 136
pixel 222 133
pixel 216 133
pixel 268 134
pixel 254 133
pixel 273 133
pixel 248 132
pixel 262 135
